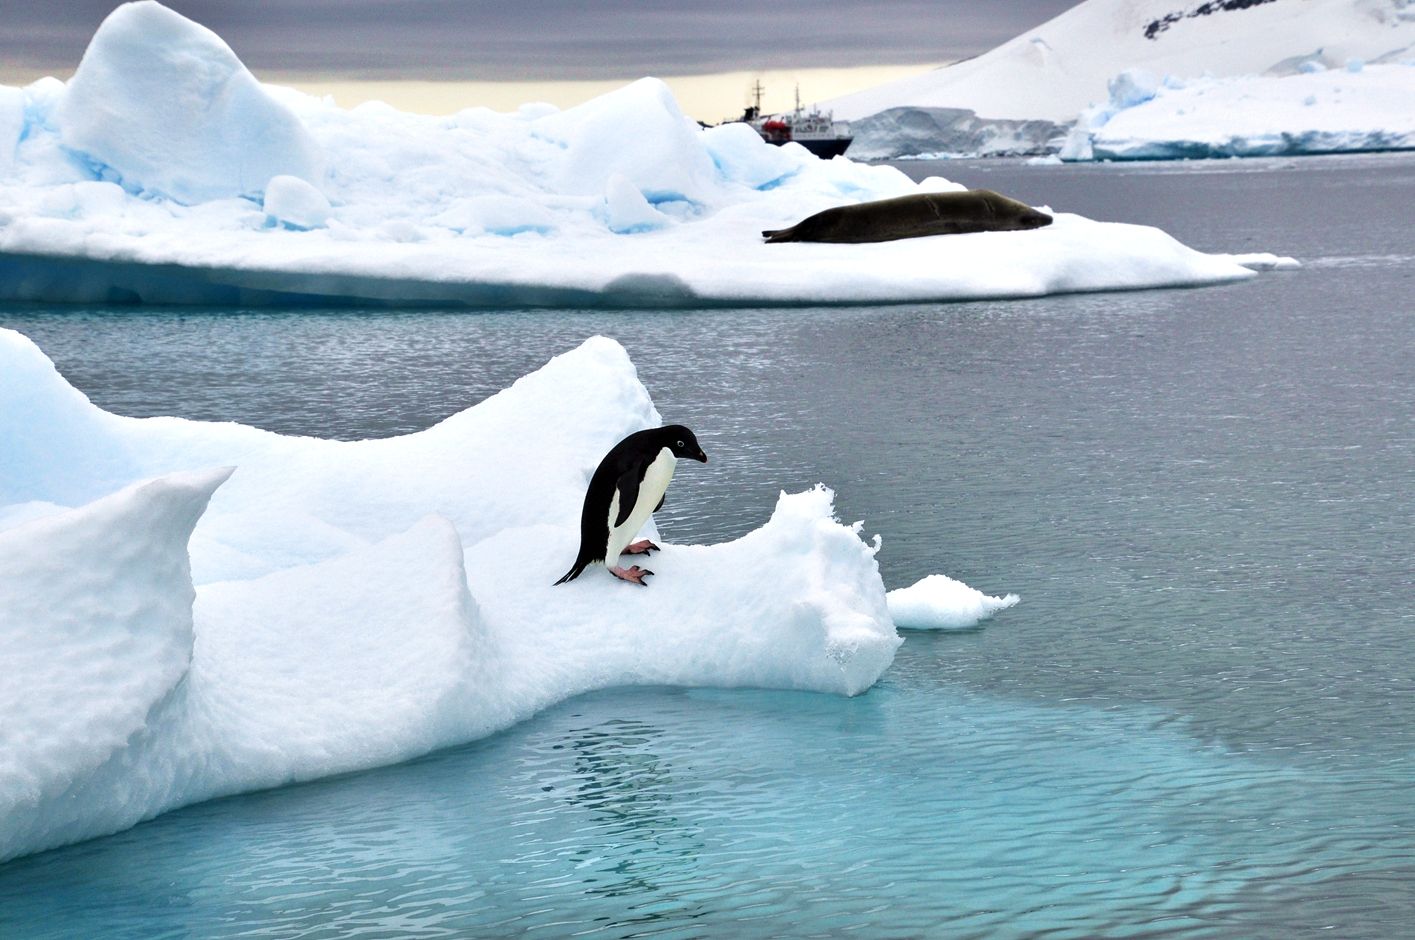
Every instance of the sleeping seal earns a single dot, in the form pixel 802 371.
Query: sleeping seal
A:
pixel 976 210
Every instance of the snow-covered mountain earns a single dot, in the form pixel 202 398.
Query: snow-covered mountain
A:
pixel 1051 73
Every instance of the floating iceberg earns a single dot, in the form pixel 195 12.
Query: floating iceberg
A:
pixel 163 172
pixel 173 629
pixel 940 603
pixel 1318 110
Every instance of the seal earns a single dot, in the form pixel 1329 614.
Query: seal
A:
pixel 916 216
pixel 627 487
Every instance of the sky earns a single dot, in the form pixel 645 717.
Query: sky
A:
pixel 431 50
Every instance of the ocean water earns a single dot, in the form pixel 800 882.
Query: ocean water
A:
pixel 1198 722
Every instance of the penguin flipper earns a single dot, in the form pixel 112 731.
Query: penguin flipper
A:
pixel 660 502
pixel 628 487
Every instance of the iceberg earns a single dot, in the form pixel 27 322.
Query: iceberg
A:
pixel 1316 110
pixel 191 609
pixel 164 172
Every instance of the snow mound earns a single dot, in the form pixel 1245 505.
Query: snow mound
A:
pixel 940 603
pixel 165 173
pixel 1314 111
pixel 165 107
pixel 171 634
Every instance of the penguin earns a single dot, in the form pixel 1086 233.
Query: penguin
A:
pixel 628 487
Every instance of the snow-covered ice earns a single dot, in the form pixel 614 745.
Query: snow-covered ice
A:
pixel 1021 96
pixel 938 602
pixel 165 172
pixel 175 629
pixel 1319 110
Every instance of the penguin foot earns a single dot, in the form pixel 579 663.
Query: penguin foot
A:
pixel 634 574
pixel 641 547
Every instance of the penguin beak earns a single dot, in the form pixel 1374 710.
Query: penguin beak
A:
pixel 701 456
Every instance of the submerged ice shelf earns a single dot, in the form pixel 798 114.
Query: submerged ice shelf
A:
pixel 176 629
pixel 107 195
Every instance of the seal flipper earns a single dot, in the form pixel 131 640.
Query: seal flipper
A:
pixel 778 235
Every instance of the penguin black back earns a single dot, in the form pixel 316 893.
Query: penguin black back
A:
pixel 621 471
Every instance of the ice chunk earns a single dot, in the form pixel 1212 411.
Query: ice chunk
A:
pixel 940 603
pixel 294 202
pixel 1132 87
pixel 665 159
pixel 741 156
pixel 626 210
pixel 167 105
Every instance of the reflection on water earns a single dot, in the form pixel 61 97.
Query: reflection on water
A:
pixel 917 809
pixel 638 847
pixel 1198 722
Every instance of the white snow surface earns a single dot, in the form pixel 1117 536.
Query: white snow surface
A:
pixel 938 602
pixel 1359 107
pixel 1061 67
pixel 164 172
pixel 173 629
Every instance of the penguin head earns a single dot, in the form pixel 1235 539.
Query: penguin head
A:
pixel 681 441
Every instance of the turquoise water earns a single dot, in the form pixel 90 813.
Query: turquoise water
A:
pixel 1199 721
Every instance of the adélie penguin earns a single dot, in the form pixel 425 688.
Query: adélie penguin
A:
pixel 628 487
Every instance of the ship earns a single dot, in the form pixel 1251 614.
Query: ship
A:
pixel 815 130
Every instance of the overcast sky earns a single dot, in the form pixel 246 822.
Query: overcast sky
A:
pixel 545 40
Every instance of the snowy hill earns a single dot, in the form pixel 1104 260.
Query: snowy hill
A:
pixel 1053 72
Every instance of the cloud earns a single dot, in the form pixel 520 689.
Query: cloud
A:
pixel 549 39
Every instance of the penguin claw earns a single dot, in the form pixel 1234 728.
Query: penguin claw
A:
pixel 641 547
pixel 634 574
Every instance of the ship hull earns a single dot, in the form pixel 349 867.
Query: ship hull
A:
pixel 825 149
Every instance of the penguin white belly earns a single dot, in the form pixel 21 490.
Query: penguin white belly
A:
pixel 651 490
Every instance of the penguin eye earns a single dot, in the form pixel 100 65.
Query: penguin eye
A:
pixel 680 443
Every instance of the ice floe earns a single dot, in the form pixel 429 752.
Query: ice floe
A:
pixel 174 629
pixel 164 172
